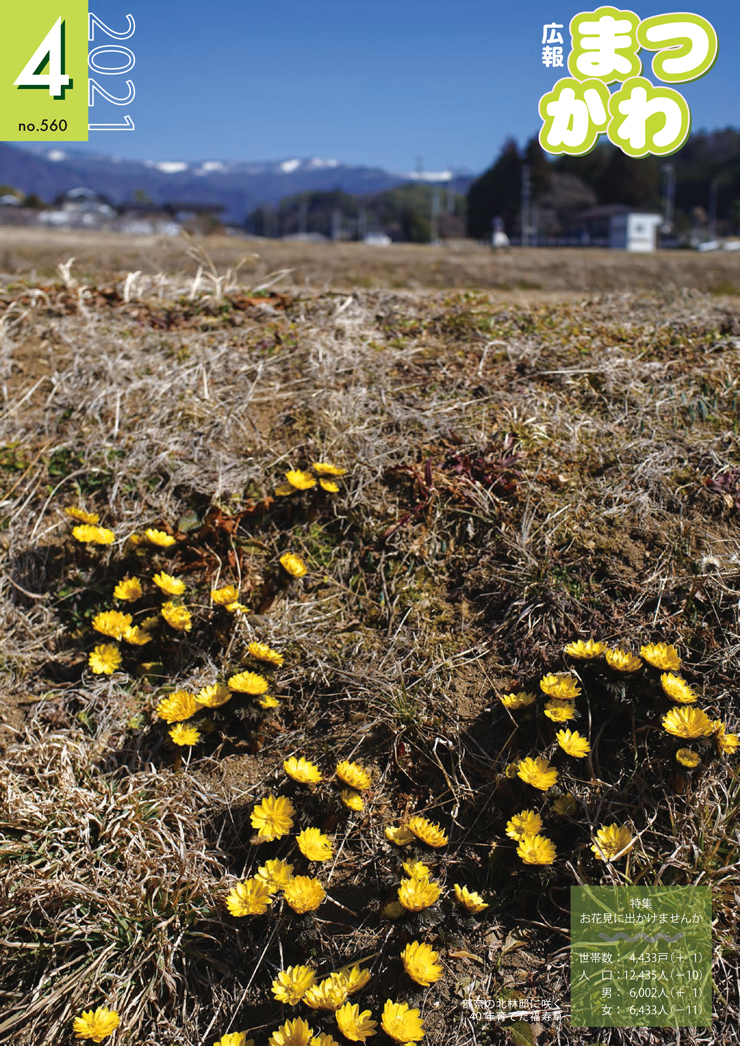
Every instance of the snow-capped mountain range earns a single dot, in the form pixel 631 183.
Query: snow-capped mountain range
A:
pixel 239 185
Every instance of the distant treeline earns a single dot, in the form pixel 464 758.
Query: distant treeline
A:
pixel 706 175
pixel 413 212
pixel 706 172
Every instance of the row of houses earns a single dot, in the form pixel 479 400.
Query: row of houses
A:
pixel 86 209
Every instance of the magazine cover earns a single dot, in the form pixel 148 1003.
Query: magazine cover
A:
pixel 369 503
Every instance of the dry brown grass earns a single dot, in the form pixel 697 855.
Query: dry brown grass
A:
pixel 518 475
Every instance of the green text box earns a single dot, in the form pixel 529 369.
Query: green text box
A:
pixel 47 37
pixel 641 956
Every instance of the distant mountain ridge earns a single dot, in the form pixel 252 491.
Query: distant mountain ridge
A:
pixel 240 186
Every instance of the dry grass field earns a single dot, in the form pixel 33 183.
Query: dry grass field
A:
pixel 514 274
pixel 519 474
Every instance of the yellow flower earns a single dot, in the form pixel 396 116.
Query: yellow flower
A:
pixel 324 1039
pixel 302 771
pixel 273 817
pixel 353 775
pixel 677 689
pixel 587 650
pixel 177 707
pixel 352 800
pixel 276 874
pixel 686 757
pixel 104 659
pixel 538 773
pixel 401 1023
pixel 214 696
pixel 249 898
pixel 565 805
pixel 130 589
pixel 427 832
pixel 416 894
pixel 227 594
pixel 96 1024
pixel 265 653
pixel 177 617
pixel 81 516
pixel 687 722
pixel 304 894
pixel 268 701
pixel 469 899
pixel 249 683
pixel 292 1033
pixel 314 845
pixel 237 608
pixel 417 869
pixel 537 849
pixel 523 824
pixel 137 636
pixel 354 1025
pixel 293 564
pixel 112 623
pixel 235 1038
pixel 661 655
pixel 291 985
pixel 300 480
pixel 329 486
pixel 727 744
pixel 398 835
pixel 184 735
pixel 158 537
pixel 171 585
pixel 90 535
pixel 622 660
pixel 610 841
pixel 560 711
pixel 324 468
pixel 516 701
pixel 329 994
pixel 356 979
pixel 573 743
pixel 561 685
pixel 420 963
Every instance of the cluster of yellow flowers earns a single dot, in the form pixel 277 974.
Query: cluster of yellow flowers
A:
pixel 398 1020
pixel 105 658
pixel 418 891
pixel 685 723
pixel 181 705
pixel 352 774
pixel 298 479
pixel 298 984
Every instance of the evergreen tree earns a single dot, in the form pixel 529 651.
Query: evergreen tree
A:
pixel 497 193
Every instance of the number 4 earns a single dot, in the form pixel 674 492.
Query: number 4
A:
pixel 51 47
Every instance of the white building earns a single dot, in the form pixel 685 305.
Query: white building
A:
pixel 617 226
pixel 634 231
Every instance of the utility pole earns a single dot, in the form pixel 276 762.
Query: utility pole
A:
pixel 451 190
pixel 669 197
pixel 303 217
pixel 336 224
pixel 526 203
pixel 435 214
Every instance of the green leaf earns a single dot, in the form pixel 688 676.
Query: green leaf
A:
pixel 522 1034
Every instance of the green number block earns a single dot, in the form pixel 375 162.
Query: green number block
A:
pixel 43 71
pixel 641 956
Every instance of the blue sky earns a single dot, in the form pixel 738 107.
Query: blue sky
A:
pixel 378 83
